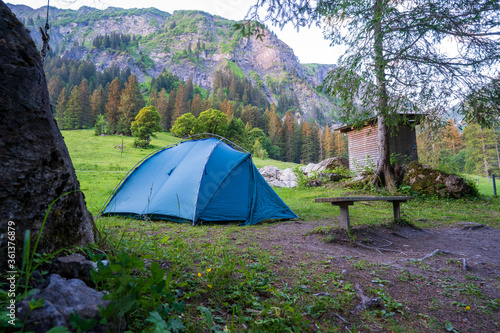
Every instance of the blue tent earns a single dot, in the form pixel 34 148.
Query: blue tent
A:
pixel 198 181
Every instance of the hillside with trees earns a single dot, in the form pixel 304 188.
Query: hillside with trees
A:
pixel 191 45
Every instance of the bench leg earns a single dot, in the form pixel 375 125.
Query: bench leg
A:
pixel 397 210
pixel 344 216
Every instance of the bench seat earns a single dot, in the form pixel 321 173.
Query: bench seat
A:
pixel 345 202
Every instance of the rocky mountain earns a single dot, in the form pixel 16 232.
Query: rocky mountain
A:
pixel 190 44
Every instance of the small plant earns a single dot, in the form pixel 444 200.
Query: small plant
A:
pixel 323 230
pixel 449 327
pixel 133 288
pixel 395 158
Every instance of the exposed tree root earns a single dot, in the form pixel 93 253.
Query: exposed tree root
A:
pixel 435 252
pixel 471 225
pixel 366 302
pixel 338 316
pixel 376 248
pixel 464 265
pixel 396 234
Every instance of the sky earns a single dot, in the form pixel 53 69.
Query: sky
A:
pixel 308 44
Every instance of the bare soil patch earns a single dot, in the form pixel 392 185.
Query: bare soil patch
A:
pixel 438 275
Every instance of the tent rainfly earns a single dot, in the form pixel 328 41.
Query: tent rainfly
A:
pixel 198 181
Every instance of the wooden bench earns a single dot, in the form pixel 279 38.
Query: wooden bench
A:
pixel 345 202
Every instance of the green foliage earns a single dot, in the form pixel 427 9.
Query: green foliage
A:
pixel 184 125
pixel 211 121
pixel 235 69
pixel 242 286
pixel 258 150
pixel 146 123
pixel 135 289
pixel 100 126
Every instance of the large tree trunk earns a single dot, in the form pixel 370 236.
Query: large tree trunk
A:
pixel 35 166
pixel 384 174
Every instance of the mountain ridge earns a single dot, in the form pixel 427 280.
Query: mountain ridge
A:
pixel 190 44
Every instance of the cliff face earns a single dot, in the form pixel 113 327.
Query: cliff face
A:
pixel 189 44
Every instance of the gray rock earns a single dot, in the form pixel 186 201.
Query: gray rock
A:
pixel 275 177
pixel 35 164
pixel 288 177
pixel 270 172
pixel 62 298
pixel 330 163
pixel 308 168
pixel 74 266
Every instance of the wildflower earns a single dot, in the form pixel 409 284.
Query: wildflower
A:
pixel 209 286
pixel 467 308
pixel 199 274
pixel 208 270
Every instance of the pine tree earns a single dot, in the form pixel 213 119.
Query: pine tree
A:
pixel 97 103
pixel 113 105
pixel 198 105
pixel 180 106
pixel 189 90
pixel 236 132
pixel 61 108
pixel 153 99
pixel 328 142
pixel 452 137
pixel 131 102
pixel 340 144
pixel 55 86
pixel 170 110
pixel 289 136
pixel 162 107
pixel 86 121
pixel 275 128
pixel 306 149
pixel 73 113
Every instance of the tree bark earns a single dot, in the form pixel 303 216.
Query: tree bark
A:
pixel 384 174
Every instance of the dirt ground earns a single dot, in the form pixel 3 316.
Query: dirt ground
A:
pixel 441 276
pixel 479 245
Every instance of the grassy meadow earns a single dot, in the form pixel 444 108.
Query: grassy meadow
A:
pixel 222 277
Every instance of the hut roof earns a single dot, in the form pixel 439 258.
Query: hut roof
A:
pixel 412 118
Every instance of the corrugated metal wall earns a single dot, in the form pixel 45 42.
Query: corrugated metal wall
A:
pixel 363 146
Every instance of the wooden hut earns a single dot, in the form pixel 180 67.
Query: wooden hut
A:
pixel 363 142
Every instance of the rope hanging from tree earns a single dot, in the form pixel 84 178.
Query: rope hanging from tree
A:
pixel 45 36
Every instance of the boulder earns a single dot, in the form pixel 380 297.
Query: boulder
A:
pixel 35 164
pixel 62 298
pixel 288 177
pixel 275 177
pixel 330 164
pixel 74 266
pixel 270 172
pixel 424 179
pixel 308 168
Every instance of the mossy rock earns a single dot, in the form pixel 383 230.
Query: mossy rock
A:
pixel 426 180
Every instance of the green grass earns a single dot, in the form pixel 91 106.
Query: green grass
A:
pixel 100 164
pixel 484 184
pixel 231 282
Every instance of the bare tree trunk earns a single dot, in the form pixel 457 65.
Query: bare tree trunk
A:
pixel 484 152
pixel 384 174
